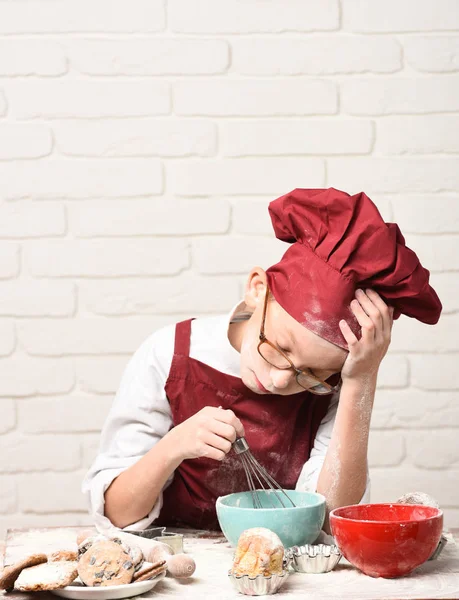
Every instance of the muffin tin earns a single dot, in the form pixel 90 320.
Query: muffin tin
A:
pixel 258 586
pixel 319 558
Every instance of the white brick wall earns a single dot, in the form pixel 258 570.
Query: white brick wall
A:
pixel 139 146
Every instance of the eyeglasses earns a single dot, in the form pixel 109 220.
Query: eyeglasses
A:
pixel 276 358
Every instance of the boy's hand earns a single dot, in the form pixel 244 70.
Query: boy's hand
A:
pixel 376 319
pixel 210 433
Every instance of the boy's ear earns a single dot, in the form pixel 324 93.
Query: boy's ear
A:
pixel 255 288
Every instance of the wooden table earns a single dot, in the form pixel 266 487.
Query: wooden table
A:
pixel 435 579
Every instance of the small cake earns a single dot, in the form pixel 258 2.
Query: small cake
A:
pixel 259 552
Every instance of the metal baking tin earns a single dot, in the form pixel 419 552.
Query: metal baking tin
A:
pixel 441 544
pixel 258 586
pixel 319 558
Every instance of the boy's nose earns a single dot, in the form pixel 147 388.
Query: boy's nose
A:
pixel 281 378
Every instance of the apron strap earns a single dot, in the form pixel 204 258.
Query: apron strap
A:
pixel 182 338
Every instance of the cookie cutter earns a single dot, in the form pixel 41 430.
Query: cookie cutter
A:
pixel 314 558
pixel 150 533
pixel 159 534
pixel 260 585
pixel 174 540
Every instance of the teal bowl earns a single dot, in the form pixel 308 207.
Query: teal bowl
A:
pixel 294 525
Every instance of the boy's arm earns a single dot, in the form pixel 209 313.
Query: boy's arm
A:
pixel 131 496
pixel 343 477
pixel 210 433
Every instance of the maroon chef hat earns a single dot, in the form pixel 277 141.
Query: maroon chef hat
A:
pixel 340 243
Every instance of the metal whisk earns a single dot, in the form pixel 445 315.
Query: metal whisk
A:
pixel 258 476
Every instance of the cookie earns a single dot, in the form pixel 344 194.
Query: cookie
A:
pixel 134 551
pixel 126 548
pixel 150 571
pixel 11 573
pixel 136 555
pixel 105 563
pixel 69 555
pixel 47 576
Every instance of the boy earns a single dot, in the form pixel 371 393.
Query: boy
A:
pixel 293 369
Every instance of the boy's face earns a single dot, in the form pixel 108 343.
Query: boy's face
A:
pixel 305 349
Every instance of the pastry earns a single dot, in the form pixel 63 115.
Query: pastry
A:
pixel 150 571
pixel 105 563
pixel 259 552
pixel 9 575
pixel 47 576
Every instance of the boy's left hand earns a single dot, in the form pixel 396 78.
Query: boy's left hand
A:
pixel 376 319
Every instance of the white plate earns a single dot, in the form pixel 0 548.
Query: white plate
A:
pixel 78 591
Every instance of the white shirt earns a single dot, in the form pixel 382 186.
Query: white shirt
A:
pixel 140 415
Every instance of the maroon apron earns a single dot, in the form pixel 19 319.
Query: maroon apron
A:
pixel 280 431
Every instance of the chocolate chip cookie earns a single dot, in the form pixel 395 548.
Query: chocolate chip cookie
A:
pixel 105 563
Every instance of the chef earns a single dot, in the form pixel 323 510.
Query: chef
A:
pixel 293 368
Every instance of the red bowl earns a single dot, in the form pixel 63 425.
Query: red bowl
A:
pixel 386 540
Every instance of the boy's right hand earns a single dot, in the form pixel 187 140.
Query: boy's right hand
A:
pixel 210 433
